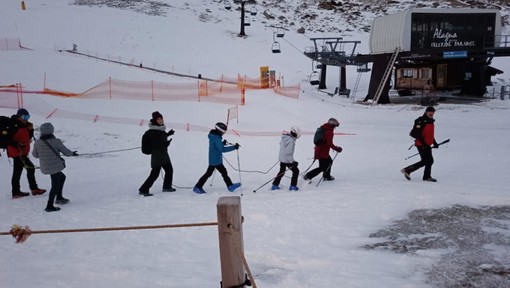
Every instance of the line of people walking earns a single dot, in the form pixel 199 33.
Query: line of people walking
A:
pixel 49 149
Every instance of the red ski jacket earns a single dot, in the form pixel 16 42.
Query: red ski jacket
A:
pixel 322 150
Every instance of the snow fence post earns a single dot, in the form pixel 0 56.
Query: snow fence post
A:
pixel 230 233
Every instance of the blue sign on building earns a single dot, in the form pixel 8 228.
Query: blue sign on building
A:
pixel 455 54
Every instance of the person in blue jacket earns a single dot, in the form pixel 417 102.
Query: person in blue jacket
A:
pixel 216 148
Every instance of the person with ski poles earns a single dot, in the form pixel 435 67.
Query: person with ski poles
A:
pixel 217 147
pixel 423 132
pixel 286 158
pixel 48 148
pixel 18 149
pixel 158 146
pixel 322 148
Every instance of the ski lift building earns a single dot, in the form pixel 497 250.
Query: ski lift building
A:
pixel 450 48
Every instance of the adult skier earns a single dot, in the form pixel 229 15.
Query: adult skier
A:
pixel 159 155
pixel 322 152
pixel 423 132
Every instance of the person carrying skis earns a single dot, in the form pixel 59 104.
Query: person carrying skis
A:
pixel 216 148
pixel 286 158
pixel 157 136
pixel 423 132
pixel 18 149
pixel 48 148
pixel 322 152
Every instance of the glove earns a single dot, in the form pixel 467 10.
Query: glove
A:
pixel 339 149
pixel 237 146
pixel 75 153
pixel 225 142
pixel 295 164
pixel 170 133
pixel 435 146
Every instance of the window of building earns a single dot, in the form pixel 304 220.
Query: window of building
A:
pixel 407 73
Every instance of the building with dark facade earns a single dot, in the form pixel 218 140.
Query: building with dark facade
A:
pixel 448 49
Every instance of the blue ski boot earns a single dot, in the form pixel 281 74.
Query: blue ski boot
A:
pixel 234 186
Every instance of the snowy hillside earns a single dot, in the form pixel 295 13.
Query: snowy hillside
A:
pixel 368 228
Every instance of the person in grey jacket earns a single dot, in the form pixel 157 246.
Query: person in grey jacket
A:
pixel 286 158
pixel 159 155
pixel 48 148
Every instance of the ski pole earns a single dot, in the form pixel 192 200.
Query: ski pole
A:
pixel 306 171
pixel 212 179
pixel 239 168
pixel 329 167
pixel 278 175
pixel 438 144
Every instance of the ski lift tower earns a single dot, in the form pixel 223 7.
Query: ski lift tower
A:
pixel 245 21
pixel 331 51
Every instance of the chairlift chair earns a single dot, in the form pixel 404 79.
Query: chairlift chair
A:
pixel 247 21
pixel 280 32
pixel 363 68
pixel 253 11
pixel 276 47
pixel 314 78
pixel 227 5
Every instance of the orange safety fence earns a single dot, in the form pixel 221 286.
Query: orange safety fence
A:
pixel 256 83
pixel 289 91
pixel 39 107
pixel 201 90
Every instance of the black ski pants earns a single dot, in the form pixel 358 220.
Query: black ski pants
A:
pixel 209 172
pixel 21 162
pixel 167 181
pixel 426 161
pixel 283 169
pixel 57 186
pixel 324 166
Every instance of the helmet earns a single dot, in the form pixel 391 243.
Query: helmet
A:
pixel 22 111
pixel 333 122
pixel 220 126
pixel 295 131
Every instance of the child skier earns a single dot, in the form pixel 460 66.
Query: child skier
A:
pixel 286 158
pixel 216 148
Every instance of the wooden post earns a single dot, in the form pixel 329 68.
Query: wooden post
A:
pixel 230 232
pixel 23 6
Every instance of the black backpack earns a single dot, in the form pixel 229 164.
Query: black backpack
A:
pixel 8 128
pixel 318 138
pixel 146 143
pixel 417 128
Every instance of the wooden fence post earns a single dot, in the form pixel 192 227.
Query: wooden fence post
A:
pixel 230 232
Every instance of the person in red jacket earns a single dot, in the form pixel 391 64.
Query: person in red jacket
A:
pixel 423 132
pixel 322 152
pixel 18 150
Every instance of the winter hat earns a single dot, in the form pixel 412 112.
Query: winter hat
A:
pixel 430 109
pixel 221 127
pixel 295 132
pixel 22 112
pixel 156 115
pixel 333 122
pixel 46 128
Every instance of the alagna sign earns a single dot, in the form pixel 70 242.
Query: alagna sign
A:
pixel 445 39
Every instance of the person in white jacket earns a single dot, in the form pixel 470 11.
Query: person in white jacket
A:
pixel 48 148
pixel 286 158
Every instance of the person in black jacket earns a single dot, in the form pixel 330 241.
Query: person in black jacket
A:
pixel 159 156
